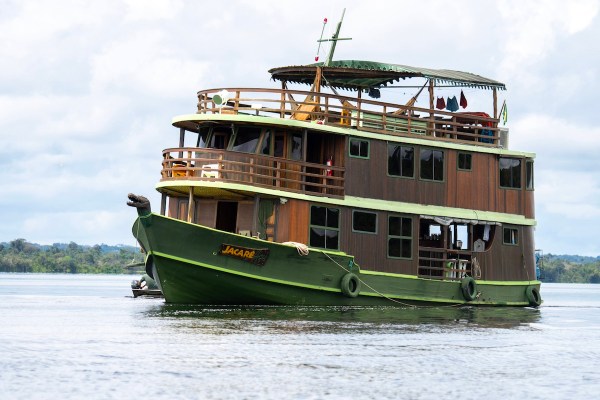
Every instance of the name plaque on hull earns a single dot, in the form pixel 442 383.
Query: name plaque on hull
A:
pixel 254 256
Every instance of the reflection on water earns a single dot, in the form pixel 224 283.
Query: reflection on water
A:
pixel 343 319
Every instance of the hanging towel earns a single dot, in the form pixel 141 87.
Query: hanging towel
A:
pixel 452 104
pixel 463 100
pixel 441 104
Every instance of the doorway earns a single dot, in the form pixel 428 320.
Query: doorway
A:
pixel 226 216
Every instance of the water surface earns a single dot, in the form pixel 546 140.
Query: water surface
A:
pixel 85 336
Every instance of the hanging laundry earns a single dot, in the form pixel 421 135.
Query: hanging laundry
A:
pixel 452 104
pixel 441 104
pixel 463 100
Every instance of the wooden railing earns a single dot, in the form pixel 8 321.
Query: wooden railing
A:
pixel 439 263
pixel 361 114
pixel 253 169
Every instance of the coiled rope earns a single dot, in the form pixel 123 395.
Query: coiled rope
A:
pixel 301 247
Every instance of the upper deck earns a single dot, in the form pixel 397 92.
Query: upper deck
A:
pixel 472 128
pixel 323 104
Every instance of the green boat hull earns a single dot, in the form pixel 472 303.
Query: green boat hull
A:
pixel 194 264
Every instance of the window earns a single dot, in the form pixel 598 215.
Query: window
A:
pixel 464 161
pixel 364 222
pixel 324 227
pixel 399 237
pixel 401 161
pixel 510 173
pixel 510 236
pixel 359 148
pixel 529 175
pixel 218 140
pixel 296 152
pixel 266 144
pixel 432 165
pixel 246 140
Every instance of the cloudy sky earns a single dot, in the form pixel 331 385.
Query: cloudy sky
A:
pixel 88 90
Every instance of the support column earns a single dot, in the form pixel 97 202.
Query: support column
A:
pixel 431 116
pixel 495 103
pixel 190 216
pixel 163 203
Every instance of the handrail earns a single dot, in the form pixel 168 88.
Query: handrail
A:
pixel 361 114
pixel 446 264
pixel 201 164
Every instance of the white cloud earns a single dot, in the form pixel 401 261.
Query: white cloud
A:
pixel 152 10
pixel 532 30
pixel 145 63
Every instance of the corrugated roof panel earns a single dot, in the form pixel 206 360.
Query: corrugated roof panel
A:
pixel 357 74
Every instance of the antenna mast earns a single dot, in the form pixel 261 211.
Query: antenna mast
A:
pixel 333 39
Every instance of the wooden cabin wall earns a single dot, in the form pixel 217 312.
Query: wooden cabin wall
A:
pixel 477 189
pixel 177 207
pixel 370 250
pixel 245 216
pixel 292 219
pixel 504 262
pixel 529 204
pixel 206 212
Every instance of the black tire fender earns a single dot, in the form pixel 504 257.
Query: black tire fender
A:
pixel 350 285
pixel 533 296
pixel 468 287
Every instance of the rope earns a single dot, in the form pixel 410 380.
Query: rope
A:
pixel 301 247
pixel 383 295
pixel 476 269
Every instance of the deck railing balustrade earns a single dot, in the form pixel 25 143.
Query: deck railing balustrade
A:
pixel 203 164
pixel 361 114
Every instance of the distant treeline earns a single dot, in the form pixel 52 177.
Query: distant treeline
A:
pixel 570 269
pixel 22 256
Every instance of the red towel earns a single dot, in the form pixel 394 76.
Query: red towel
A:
pixel 441 103
pixel 463 100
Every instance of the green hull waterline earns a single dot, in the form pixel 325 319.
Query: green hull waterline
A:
pixel 191 266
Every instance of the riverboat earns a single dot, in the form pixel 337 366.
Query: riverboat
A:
pixel 336 195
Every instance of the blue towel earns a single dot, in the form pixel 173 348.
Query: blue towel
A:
pixel 452 104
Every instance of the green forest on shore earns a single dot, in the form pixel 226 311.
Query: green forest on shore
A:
pixel 19 255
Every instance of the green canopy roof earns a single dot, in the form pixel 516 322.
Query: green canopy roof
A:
pixel 356 74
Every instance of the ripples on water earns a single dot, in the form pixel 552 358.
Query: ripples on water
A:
pixel 65 336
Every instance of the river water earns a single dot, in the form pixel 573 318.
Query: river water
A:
pixel 85 336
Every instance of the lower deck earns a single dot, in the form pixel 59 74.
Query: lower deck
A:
pixel 381 241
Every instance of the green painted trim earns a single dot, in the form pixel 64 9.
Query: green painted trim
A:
pixel 345 131
pixel 389 274
pixel 368 157
pixel 479 282
pixel 364 203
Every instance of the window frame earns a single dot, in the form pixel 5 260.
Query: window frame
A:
pixel 529 175
pixel 515 238
pixel 366 212
pixel 512 177
pixel 413 161
pixel 368 142
pixel 400 237
pixel 470 159
pixel 325 228
pixel 421 150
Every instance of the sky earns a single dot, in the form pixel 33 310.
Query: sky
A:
pixel 88 90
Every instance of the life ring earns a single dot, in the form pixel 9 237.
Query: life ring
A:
pixel 533 296
pixel 350 285
pixel 468 286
